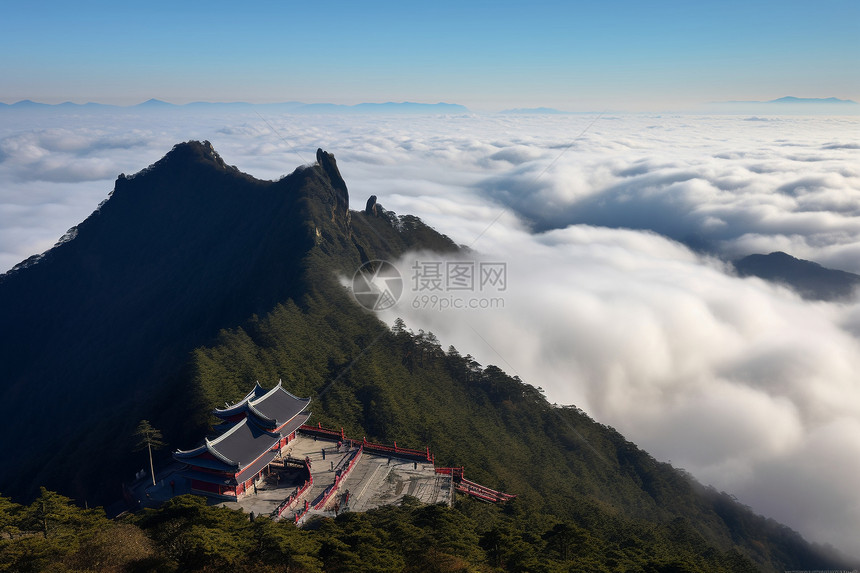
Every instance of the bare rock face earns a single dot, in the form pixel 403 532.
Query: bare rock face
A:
pixel 370 208
pixel 328 167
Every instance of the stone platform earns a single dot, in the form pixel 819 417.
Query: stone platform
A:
pixel 374 481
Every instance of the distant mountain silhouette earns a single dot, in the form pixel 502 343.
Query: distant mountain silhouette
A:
pixel 814 100
pixel 285 107
pixel 154 103
pixel 26 103
pixel 788 101
pixel 809 279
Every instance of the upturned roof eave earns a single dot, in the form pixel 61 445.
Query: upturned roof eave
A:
pixel 239 406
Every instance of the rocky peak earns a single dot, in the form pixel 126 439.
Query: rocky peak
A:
pixel 195 150
pixel 327 168
pixel 187 154
pixel 370 208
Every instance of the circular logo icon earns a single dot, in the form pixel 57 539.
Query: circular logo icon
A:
pixel 377 285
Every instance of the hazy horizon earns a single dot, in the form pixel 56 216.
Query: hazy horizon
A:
pixel 484 55
pixel 778 106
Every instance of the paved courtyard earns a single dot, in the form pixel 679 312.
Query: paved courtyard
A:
pixel 374 481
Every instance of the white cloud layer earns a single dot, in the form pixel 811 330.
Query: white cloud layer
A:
pixel 744 384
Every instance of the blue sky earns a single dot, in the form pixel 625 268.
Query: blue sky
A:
pixel 486 55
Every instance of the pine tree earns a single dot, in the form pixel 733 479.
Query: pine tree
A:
pixel 149 438
pixel 49 512
pixel 10 517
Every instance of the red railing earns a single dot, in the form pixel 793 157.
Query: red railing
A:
pixel 460 483
pixel 456 472
pixel 318 430
pixel 303 512
pixel 399 451
pixel 332 489
pixel 482 492
pixel 468 487
pixel 292 498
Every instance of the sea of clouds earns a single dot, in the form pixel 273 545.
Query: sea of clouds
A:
pixel 614 230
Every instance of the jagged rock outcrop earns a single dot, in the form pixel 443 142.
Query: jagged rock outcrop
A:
pixel 370 208
pixel 340 200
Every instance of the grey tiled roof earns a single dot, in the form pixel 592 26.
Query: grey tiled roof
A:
pixel 243 443
pixel 246 447
pixel 271 408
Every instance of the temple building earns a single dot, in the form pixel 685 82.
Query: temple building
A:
pixel 256 430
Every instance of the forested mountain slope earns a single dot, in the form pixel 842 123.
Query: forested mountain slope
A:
pixel 193 280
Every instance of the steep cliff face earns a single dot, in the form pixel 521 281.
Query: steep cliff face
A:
pixel 339 199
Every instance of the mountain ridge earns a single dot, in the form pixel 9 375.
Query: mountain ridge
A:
pixel 795 100
pixel 817 100
pixel 807 278
pixel 104 282
pixel 194 279
pixel 180 250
